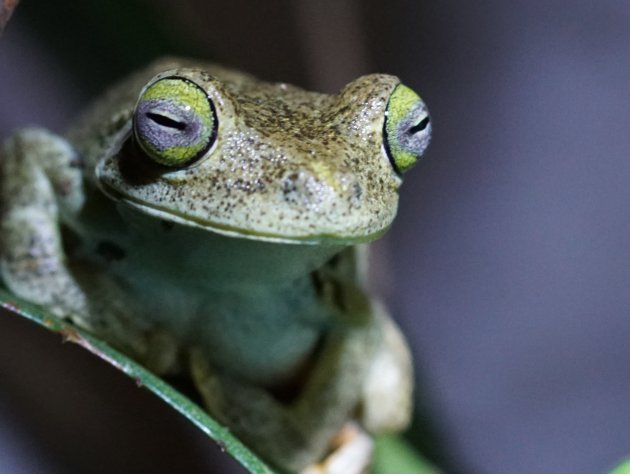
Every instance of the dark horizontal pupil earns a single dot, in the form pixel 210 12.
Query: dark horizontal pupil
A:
pixel 166 121
pixel 420 126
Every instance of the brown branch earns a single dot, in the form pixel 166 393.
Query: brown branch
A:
pixel 6 9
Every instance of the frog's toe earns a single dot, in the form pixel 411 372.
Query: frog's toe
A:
pixel 351 453
pixel 206 380
pixel 163 352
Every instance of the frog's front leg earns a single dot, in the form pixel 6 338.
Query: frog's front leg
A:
pixel 41 180
pixel 297 434
pixel 39 173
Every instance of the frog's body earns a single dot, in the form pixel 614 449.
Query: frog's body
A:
pixel 209 225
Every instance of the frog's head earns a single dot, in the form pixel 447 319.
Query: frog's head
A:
pixel 268 161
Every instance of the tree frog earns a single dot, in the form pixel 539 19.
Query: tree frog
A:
pixel 208 223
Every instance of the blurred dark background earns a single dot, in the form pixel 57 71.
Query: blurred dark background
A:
pixel 508 266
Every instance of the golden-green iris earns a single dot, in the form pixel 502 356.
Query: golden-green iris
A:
pixel 407 128
pixel 174 122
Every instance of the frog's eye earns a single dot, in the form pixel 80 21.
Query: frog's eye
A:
pixel 174 123
pixel 407 128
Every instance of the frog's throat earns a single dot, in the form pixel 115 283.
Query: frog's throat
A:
pixel 179 218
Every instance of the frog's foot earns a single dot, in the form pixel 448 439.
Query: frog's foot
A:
pixel 351 453
pixel 387 394
pixel 267 427
pixel 297 434
pixel 163 351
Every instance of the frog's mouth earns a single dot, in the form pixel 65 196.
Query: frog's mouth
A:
pixel 149 190
pixel 172 216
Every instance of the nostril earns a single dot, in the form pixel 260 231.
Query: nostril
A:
pixel 292 188
pixel 302 188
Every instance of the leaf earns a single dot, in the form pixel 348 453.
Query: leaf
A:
pixel 143 377
pixel 393 455
pixel 623 468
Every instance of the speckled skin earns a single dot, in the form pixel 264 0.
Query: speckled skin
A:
pixel 240 269
pixel 297 165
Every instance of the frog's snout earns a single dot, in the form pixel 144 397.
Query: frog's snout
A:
pixel 302 188
pixel 317 189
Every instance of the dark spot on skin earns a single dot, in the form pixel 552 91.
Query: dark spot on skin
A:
pixel 290 185
pixel 109 251
pixel 358 191
pixel 206 76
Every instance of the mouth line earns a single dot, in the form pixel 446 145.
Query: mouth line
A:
pixel 230 231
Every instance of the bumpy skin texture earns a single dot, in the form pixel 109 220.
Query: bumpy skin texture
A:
pixel 239 269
